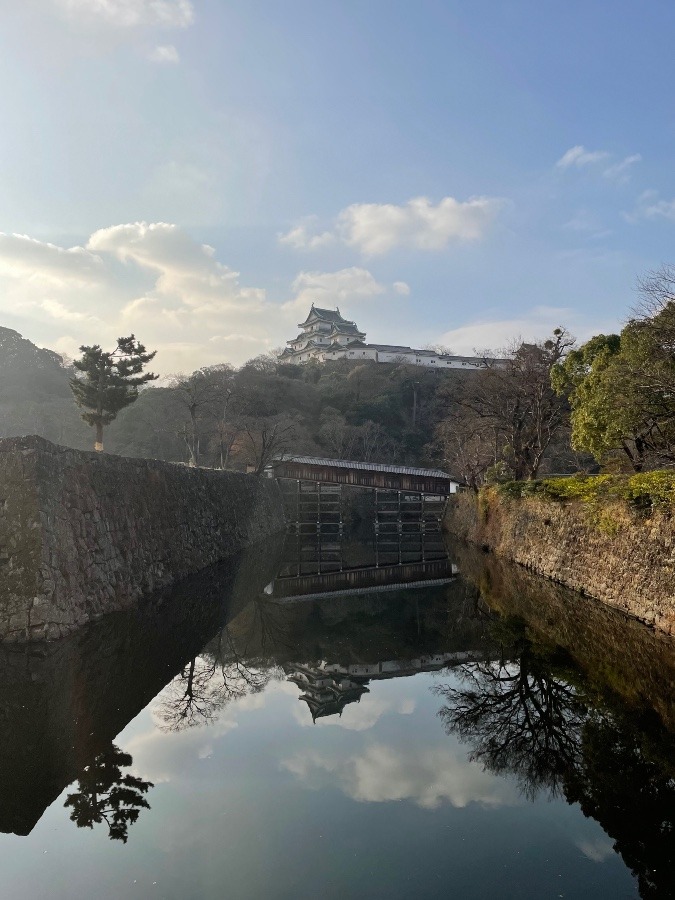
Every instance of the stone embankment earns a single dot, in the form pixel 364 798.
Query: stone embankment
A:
pixel 622 556
pixel 82 534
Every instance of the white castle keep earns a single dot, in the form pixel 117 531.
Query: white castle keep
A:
pixel 327 336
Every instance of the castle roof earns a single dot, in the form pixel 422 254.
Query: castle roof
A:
pixel 328 315
pixel 345 328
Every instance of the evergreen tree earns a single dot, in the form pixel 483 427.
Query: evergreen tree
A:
pixel 109 381
pixel 106 795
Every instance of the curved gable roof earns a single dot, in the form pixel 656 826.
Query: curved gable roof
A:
pixel 327 315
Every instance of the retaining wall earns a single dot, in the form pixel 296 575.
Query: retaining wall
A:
pixel 82 534
pixel 622 557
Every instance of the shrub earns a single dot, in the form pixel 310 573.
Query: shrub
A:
pixel 641 491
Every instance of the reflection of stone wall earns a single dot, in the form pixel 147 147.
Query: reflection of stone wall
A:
pixel 621 557
pixel 82 534
pixel 63 703
pixel 616 652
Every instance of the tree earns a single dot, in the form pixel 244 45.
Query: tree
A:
pixel 268 437
pixel 109 381
pixel 512 408
pixel 621 388
pixel 519 717
pixel 220 675
pixel 106 795
pixel 467 446
pixel 604 407
pixel 203 394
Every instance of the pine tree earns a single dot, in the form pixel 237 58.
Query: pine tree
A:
pixel 106 795
pixel 109 381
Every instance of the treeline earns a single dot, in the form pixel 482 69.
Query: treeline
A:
pixel 503 419
pixel 549 407
pixel 222 417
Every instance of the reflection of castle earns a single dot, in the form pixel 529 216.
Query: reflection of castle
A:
pixel 325 693
pixel 328 687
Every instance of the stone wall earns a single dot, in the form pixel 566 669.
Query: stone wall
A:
pixel 625 558
pixel 82 534
pixel 615 651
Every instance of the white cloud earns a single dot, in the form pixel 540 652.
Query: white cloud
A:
pixel 43 263
pixel 164 53
pixel 381 773
pixel 150 279
pixel 650 206
pixel 378 228
pixel 58 310
pixel 620 171
pixel 333 288
pixel 186 271
pixel 400 287
pixel 534 324
pixel 306 236
pixel 131 13
pixel 598 850
pixel 578 156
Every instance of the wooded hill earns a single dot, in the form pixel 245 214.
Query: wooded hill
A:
pixel 35 396
pixel 219 416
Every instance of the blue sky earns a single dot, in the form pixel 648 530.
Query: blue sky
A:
pixel 197 171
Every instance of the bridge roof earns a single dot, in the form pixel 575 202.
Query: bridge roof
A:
pixel 366 466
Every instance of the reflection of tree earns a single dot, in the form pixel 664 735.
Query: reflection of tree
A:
pixel 518 716
pixel 527 718
pixel 106 795
pixel 633 798
pixel 224 672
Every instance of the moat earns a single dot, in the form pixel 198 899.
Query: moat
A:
pixel 352 711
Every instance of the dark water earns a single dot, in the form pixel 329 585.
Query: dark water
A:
pixel 303 723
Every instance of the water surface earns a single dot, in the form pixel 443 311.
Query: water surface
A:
pixel 332 718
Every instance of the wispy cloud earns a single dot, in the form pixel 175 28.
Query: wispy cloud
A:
pixel 531 325
pixel 579 157
pixel 165 53
pixel 307 236
pixel 598 850
pixel 131 13
pixel 650 206
pixel 588 224
pixel 378 228
pixel 621 171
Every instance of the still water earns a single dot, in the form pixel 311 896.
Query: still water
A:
pixel 361 711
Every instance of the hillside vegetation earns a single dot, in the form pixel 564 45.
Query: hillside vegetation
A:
pixel 220 416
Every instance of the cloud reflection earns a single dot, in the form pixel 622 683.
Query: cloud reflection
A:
pixel 382 773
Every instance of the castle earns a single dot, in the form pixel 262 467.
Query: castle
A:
pixel 327 336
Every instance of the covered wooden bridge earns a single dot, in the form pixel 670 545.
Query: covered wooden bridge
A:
pixel 364 474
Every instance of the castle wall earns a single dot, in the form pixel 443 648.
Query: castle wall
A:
pixel 620 556
pixel 82 534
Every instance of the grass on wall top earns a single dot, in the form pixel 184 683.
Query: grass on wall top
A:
pixel 645 489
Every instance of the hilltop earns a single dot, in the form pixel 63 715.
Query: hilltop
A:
pixel 34 394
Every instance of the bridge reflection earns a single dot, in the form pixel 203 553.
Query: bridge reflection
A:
pixel 347 541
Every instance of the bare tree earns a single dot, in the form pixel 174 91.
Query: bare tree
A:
pixel 516 404
pixel 200 394
pixel 268 437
